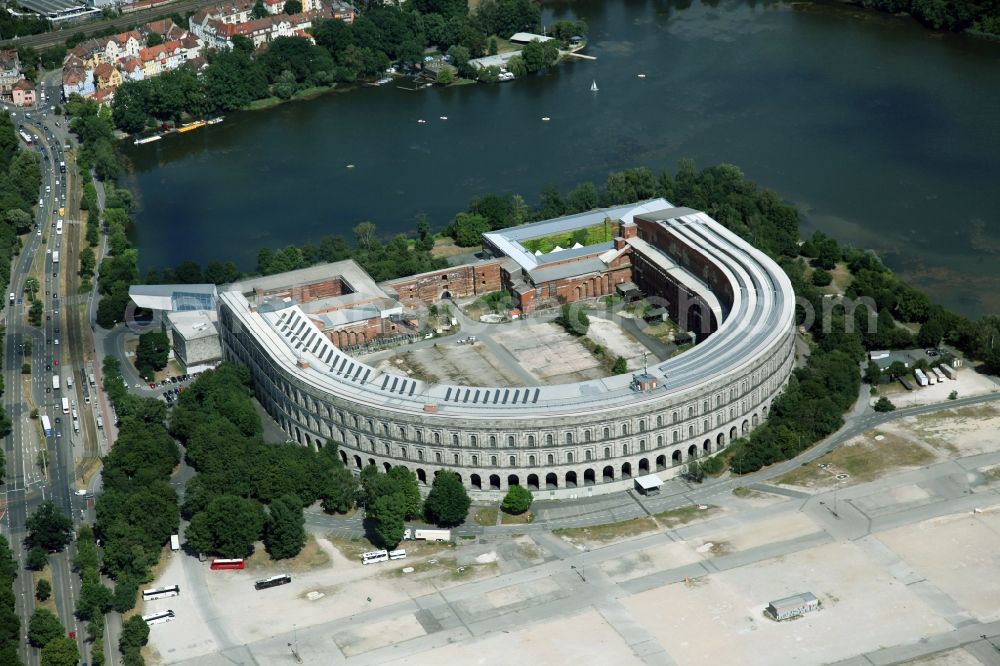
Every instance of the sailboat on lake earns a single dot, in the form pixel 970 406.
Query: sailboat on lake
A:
pixel 593 86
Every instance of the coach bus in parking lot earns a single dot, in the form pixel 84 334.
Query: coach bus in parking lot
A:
pixel 237 563
pixel 161 592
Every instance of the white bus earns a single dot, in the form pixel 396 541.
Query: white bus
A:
pixel 175 541
pixel 158 618
pixel 59 228
pixel 397 554
pixel 375 556
pixel 55 257
pixel 46 426
pixel 65 404
pixel 161 592
pixel 55 382
pixel 25 137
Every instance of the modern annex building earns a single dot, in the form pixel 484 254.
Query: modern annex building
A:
pixel 570 439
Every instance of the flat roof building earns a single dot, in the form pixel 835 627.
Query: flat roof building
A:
pixel 794 606
pixel 195 338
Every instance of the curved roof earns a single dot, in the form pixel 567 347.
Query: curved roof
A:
pixel 760 314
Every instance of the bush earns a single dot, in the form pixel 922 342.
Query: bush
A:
pixel 37 558
pixel 953 395
pixel 43 590
pixel 821 277
pixel 517 501
pixel 883 404
pixel 620 367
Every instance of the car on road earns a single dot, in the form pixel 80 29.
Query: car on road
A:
pixel 58 420
pixel 48 367
pixel 152 385
pixel 55 361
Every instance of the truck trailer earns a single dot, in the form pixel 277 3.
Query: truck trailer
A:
pixel 432 535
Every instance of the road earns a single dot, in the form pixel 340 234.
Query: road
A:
pixel 46 39
pixel 31 476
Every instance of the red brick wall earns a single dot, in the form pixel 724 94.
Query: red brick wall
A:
pixel 457 281
pixel 310 292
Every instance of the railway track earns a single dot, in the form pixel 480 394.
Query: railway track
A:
pixel 53 38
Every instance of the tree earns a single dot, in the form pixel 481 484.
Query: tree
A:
pixel 293 7
pixel 154 39
pixel 152 352
pixel 44 627
pixel 620 367
pixel 467 229
pixel 405 482
pixel 445 76
pixel 517 500
pixel 228 526
pixel 694 472
pixel 135 634
pixel 883 404
pixel 931 332
pixel 339 491
pixel 20 220
pixel 285 534
pixel 873 373
pixel 37 558
pixel 388 514
pixel 447 504
pixel 61 652
pixel 821 277
pixel 43 590
pixel 49 528
pixel 259 10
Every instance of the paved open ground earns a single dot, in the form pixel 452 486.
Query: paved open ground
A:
pixel 905 566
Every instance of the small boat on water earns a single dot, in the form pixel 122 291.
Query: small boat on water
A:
pixel 422 121
pixel 545 119
pixel 192 126
pixel 641 76
pixel 350 166
pixel 443 117
pixel 214 121
pixel 593 87
pixel 148 139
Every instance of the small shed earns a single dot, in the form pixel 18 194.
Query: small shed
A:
pixel 648 485
pixel 794 606
pixel 628 290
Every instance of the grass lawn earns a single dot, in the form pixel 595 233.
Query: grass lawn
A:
pixel 864 462
pixel 517 519
pixel 486 516
pixel 598 233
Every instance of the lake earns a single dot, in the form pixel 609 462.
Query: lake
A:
pixel 885 134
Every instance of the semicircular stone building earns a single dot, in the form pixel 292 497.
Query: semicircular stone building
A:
pixel 562 440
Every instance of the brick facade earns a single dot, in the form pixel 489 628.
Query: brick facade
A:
pixel 453 282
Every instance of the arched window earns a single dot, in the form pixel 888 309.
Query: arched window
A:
pixel 588 455
pixel 673 417
pixel 642 445
pixel 674 436
pixel 642 425
pixel 551 459
pixel 624 428
pixel 510 440
pixel 586 435
pixel 704 406
pixel 569 438
pixel 420 454
pixel 493 460
pixel 690 431
pixel 402 452
pixel 607 452
pixel 386 447
pixel 569 456
pixel 456 458
pixel 402 431
pixel 548 439
pixel 493 441
pixel 511 461
pixel 607 433
pixel 531 461
pixel 473 441
pixel 659 420
pixel 475 461
pixel 705 425
pixel 454 440
pixel 531 440
pixel 659 441
pixel 437 456
pixel 690 411
pixel 437 438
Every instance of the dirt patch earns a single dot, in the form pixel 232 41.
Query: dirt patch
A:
pixel 599 535
pixel 312 556
pixel 684 515
pixel 517 519
pixel 550 353
pixel 445 247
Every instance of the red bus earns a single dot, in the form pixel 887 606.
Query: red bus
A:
pixel 228 564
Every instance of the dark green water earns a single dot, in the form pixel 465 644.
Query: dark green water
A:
pixel 885 134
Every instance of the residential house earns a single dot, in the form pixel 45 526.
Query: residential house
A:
pixel 105 96
pixel 165 28
pixel 10 72
pixel 342 11
pixel 122 45
pixel 107 76
pixel 23 93
pixel 78 77
pixel 131 69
